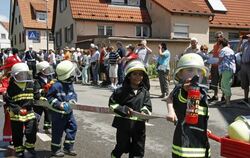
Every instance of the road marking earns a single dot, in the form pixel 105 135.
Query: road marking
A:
pixel 44 137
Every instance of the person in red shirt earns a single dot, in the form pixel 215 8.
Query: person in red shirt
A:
pixel 130 55
pixel 214 68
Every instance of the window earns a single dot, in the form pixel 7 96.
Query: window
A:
pixel 142 31
pixel 20 37
pixel 117 1
pixel 233 35
pixel 15 40
pixel 16 21
pixel 181 31
pixel 105 30
pixel 212 38
pixel 3 36
pixel 134 2
pixel 62 5
pixel 23 36
pixel 51 37
pixel 40 16
pixel 68 33
pixel 59 38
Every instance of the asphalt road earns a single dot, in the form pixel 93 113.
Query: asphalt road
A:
pixel 96 138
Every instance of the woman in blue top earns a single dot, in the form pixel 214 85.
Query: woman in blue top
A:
pixel 163 69
pixel 227 68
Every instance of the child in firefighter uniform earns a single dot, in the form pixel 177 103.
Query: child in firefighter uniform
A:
pixel 41 86
pixel 8 63
pixel 190 140
pixel 19 100
pixel 60 96
pixel 132 96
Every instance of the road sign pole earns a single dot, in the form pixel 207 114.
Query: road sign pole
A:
pixel 47 30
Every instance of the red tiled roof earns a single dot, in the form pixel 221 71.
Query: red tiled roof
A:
pixel 5 25
pixel 101 10
pixel 28 16
pixel 237 15
pixel 184 6
pixel 39 6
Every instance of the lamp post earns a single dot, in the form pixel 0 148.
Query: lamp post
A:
pixel 47 30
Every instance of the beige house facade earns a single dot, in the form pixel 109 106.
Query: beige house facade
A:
pixel 29 24
pixel 164 26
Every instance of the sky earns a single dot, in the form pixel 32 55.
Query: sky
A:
pixel 4 10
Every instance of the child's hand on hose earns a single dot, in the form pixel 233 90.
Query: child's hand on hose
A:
pixel 171 116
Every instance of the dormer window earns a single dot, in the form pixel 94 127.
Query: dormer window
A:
pixel 40 16
pixel 121 2
pixel 126 2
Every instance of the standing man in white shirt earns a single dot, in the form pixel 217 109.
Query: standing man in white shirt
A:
pixel 94 61
pixel 52 58
pixel 143 52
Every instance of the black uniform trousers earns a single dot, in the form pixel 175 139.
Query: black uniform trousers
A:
pixel 19 129
pixel 131 141
pixel 47 116
pixel 32 66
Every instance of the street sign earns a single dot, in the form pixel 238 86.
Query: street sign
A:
pixel 33 35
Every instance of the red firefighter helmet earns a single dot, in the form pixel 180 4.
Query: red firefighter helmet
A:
pixel 9 62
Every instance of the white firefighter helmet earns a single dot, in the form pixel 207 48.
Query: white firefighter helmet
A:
pixel 133 66
pixel 240 129
pixel 44 67
pixel 66 69
pixel 190 60
pixel 20 72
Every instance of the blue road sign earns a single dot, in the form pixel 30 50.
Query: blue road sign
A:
pixel 33 35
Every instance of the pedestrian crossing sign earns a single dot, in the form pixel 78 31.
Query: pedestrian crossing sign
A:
pixel 33 35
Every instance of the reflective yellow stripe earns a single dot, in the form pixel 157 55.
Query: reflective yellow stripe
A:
pixel 145 108
pixel 57 145
pixel 19 148
pixel 203 110
pixel 27 117
pixel 181 99
pixel 23 95
pixel 113 106
pixel 189 152
pixel 54 109
pixel 42 98
pixel 112 156
pixel 29 145
pixel 23 98
pixel 69 141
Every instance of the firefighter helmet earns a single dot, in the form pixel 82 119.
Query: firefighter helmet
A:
pixel 9 62
pixel 134 65
pixel 190 60
pixel 66 69
pixel 239 130
pixel 20 72
pixel 45 68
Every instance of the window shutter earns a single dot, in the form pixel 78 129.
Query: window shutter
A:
pixel 71 32
pixel 66 34
pixel 60 37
